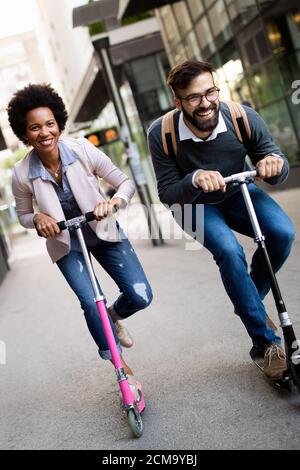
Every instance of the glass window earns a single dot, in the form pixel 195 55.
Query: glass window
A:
pixel 266 84
pixel 196 8
pixel 255 48
pixel 170 27
pixel 183 17
pixel 192 46
pixel 240 91
pixel 233 69
pixel 220 22
pixel 264 3
pixel 237 82
pixel 241 12
pixel 163 65
pixel 278 119
pixel 231 75
pixel 205 37
pixel 275 37
pixel 179 54
pixel 289 65
pixel 164 36
pixel 282 34
pixel 145 74
pixel 215 60
pixel 293 21
pixel 222 83
pixel 207 3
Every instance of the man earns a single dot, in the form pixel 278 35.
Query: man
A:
pixel 207 151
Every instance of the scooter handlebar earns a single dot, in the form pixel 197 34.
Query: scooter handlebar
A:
pixel 240 176
pixel 81 219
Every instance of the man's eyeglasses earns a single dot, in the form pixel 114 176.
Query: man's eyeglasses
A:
pixel 196 99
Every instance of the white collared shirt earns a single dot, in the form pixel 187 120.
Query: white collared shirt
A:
pixel 185 133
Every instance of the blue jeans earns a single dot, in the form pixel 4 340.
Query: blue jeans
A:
pixel 121 263
pixel 247 290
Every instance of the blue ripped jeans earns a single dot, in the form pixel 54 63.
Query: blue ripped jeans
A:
pixel 247 290
pixel 121 263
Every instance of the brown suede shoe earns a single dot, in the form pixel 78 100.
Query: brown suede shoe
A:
pixel 274 361
pixel 123 334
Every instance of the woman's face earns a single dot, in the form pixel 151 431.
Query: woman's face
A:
pixel 42 130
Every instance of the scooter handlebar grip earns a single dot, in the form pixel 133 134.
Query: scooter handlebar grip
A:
pixel 62 225
pixel 89 216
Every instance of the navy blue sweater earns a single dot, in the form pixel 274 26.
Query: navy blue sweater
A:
pixel 224 154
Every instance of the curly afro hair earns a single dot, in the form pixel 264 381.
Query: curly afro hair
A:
pixel 30 97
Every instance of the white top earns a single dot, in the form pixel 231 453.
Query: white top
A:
pixel 186 133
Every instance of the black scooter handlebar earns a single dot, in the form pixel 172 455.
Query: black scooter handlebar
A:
pixel 81 219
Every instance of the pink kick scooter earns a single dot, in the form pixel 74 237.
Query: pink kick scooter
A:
pixel 133 407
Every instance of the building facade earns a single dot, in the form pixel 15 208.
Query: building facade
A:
pixel 51 52
pixel 255 48
pixel 21 63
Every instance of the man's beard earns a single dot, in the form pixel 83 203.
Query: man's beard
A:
pixel 206 125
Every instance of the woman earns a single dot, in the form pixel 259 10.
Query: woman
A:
pixel 60 175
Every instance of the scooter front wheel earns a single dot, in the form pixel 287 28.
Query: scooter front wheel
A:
pixel 135 422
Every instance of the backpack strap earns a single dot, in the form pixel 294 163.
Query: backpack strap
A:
pixel 238 116
pixel 240 122
pixel 168 134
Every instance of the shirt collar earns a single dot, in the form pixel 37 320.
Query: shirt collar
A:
pixel 186 133
pixel 37 169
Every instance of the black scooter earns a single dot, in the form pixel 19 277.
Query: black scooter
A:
pixel 291 376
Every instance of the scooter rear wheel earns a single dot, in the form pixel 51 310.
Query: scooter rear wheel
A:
pixel 135 423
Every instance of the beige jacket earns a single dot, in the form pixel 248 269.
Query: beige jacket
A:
pixel 83 179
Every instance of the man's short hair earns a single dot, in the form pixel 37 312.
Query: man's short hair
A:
pixel 181 75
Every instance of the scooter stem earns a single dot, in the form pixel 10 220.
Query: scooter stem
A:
pixel 99 299
pixel 249 205
pixel 88 263
pixel 260 240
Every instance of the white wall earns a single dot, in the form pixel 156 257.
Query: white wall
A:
pixel 68 51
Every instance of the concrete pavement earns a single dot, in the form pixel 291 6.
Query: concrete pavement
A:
pixel 191 353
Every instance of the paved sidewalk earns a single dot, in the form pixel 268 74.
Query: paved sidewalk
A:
pixel 191 353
